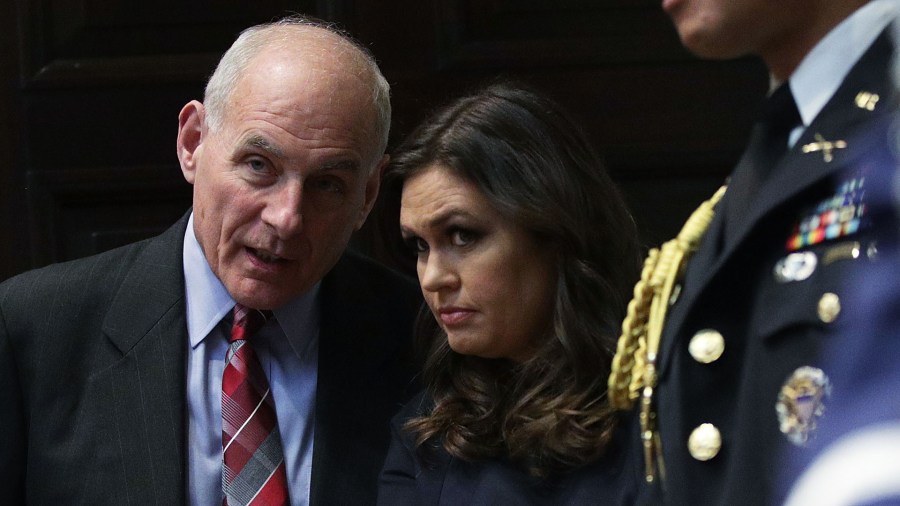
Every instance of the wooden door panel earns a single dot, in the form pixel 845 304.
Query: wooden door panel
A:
pixel 88 113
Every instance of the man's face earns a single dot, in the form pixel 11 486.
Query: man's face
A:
pixel 732 28
pixel 280 187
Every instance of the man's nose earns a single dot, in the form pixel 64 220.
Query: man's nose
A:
pixel 283 210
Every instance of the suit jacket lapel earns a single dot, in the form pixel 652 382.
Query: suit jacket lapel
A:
pixel 344 358
pixel 797 171
pixel 146 322
pixel 333 334
pixel 360 370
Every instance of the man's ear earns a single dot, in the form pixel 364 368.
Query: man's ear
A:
pixel 372 186
pixel 190 138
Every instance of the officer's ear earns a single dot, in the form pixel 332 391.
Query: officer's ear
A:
pixel 373 184
pixel 190 138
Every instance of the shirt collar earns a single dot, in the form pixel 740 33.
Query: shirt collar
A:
pixel 822 71
pixel 208 301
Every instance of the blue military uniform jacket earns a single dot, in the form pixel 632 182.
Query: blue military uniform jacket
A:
pixel 741 382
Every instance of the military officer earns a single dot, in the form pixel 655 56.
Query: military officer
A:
pixel 719 360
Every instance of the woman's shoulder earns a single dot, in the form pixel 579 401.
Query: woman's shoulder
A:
pixel 412 475
pixel 416 475
pixel 419 405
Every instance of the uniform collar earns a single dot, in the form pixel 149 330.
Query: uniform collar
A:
pixel 822 71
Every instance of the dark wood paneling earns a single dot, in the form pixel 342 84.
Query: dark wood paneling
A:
pixel 669 125
pixel 88 42
pixel 100 88
pixel 616 64
pixel 553 33
pixel 13 215
pixel 91 91
pixel 82 212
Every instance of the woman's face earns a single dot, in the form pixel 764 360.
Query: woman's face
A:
pixel 489 283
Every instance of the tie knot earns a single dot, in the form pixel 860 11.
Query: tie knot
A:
pixel 780 110
pixel 247 321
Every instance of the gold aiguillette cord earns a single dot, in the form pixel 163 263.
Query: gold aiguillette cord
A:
pixel 634 366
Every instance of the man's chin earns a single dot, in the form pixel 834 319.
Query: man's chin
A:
pixel 261 295
pixel 710 46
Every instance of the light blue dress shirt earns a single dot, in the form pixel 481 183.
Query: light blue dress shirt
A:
pixel 824 68
pixel 288 351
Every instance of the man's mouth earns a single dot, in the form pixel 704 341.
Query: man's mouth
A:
pixel 264 256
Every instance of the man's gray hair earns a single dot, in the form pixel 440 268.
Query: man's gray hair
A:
pixel 252 40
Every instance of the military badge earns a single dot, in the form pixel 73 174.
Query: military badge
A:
pixel 837 216
pixel 867 100
pixel 826 147
pixel 801 402
pixel 796 267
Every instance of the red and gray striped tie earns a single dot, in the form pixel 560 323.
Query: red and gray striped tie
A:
pixel 253 467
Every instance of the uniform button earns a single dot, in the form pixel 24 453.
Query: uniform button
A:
pixel 707 346
pixel 829 307
pixel 705 442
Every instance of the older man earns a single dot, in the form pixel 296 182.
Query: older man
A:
pixel 732 378
pixel 241 355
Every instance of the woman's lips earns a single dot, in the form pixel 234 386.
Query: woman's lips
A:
pixel 454 315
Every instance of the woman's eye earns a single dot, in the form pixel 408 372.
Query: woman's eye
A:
pixel 461 237
pixel 416 244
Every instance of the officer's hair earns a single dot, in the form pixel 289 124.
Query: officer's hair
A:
pixel 281 33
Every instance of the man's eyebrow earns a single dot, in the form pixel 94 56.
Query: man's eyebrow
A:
pixel 259 142
pixel 348 165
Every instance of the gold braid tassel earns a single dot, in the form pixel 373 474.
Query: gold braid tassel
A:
pixel 634 365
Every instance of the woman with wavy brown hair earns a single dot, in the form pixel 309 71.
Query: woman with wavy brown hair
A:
pixel 526 255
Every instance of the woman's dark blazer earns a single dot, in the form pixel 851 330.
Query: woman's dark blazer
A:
pixel 409 478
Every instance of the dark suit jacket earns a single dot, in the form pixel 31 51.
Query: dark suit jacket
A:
pixel 771 327
pixel 410 478
pixel 92 378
